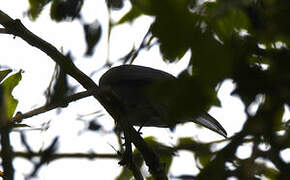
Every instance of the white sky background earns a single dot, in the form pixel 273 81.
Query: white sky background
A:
pixel 38 68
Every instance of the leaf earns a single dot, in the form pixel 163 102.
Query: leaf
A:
pixel 134 13
pixel 115 4
pixel 4 73
pixel 271 173
pixel 145 6
pixel 8 85
pixel 202 151
pixel 20 125
pixel 36 6
pixel 65 9
pixel 185 140
pixel 61 87
pixel 174 26
pixel 234 20
pixel 125 174
pixel 93 34
pixel 165 152
pixel 203 158
pixel 3 116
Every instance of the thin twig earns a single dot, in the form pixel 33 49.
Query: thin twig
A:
pixel 19 116
pixel 29 155
pixel 128 157
pixel 142 45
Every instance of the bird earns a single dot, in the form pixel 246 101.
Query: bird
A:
pixel 131 83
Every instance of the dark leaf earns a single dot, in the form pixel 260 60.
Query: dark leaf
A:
pixel 65 9
pixel 115 4
pixel 94 126
pixel 134 13
pixel 165 152
pixel 60 88
pixel 93 34
pixel 174 26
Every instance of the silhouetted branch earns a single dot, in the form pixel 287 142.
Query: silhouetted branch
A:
pixel 55 156
pixel 19 116
pixel 3 31
pixel 6 148
pixel 117 110
pixel 127 159
pixel 7 157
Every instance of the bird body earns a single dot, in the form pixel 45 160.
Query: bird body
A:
pixel 131 84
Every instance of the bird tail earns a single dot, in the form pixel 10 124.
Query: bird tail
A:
pixel 211 123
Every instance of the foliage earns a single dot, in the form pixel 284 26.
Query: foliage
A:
pixel 60 9
pixel 246 41
pixel 8 84
pixel 93 34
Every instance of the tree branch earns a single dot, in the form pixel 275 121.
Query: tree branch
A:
pixel 19 116
pixel 127 159
pixel 3 31
pixel 6 148
pixel 29 155
pixel 7 157
pixel 117 111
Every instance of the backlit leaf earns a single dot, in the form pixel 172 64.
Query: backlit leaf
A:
pixel 35 7
pixel 8 85
pixel 4 73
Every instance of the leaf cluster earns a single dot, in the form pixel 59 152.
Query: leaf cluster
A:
pixel 246 41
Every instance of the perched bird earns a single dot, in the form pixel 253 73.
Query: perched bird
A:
pixel 131 83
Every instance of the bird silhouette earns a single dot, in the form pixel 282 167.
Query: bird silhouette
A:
pixel 131 83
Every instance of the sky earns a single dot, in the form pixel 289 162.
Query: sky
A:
pixel 38 68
